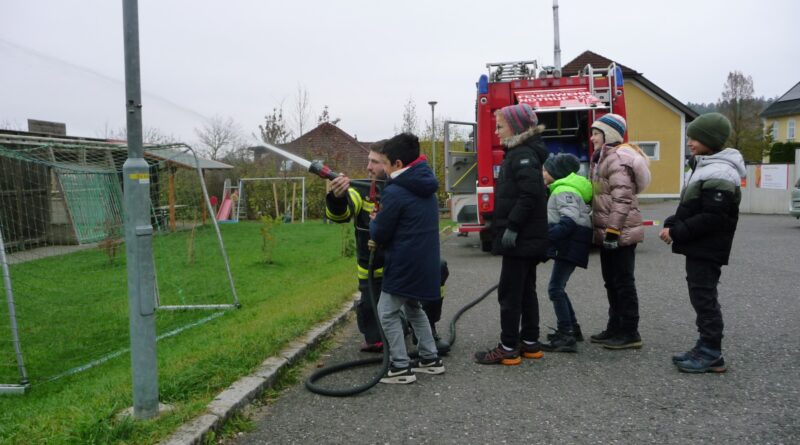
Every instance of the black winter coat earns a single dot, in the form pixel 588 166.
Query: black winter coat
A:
pixel 521 200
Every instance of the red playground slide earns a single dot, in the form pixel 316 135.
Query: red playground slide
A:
pixel 224 212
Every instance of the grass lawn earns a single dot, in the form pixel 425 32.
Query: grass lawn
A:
pixel 308 281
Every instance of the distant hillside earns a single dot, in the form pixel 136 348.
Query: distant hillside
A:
pixel 710 107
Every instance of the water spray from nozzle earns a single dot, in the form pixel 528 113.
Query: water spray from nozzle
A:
pixel 322 170
pixel 316 167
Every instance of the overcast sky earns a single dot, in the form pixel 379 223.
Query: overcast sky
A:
pixel 63 60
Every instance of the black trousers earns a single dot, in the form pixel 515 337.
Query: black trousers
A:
pixel 433 309
pixel 702 277
pixel 617 266
pixel 519 304
pixel 365 317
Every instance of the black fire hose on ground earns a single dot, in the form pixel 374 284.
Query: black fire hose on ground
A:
pixel 311 381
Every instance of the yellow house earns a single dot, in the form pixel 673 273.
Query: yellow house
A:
pixel 656 122
pixel 781 117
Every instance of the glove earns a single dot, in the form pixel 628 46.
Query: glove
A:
pixel 611 241
pixel 509 240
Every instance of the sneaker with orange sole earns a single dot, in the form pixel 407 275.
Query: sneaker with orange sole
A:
pixel 498 356
pixel 531 350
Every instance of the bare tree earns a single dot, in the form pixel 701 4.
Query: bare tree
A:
pixel 325 116
pixel 107 132
pixel 741 108
pixel 150 135
pixel 274 129
pixel 456 131
pixel 218 136
pixel 7 124
pixel 302 110
pixel 409 124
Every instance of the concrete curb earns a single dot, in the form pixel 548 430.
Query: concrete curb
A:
pixel 244 390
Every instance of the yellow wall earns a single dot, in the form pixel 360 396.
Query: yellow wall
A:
pixel 650 120
pixel 783 124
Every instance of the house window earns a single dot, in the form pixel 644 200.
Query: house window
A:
pixel 650 148
pixel 790 126
pixel 775 129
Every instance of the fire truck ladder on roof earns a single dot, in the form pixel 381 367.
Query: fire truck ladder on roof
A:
pixel 605 93
pixel 501 71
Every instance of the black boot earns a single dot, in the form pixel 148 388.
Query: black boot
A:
pixel 576 331
pixel 441 345
pixel 561 341
pixel 602 337
pixel 631 340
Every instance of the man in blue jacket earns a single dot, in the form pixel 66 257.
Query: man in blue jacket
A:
pixel 407 227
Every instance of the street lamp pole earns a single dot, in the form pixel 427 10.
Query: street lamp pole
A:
pixel 138 232
pixel 433 135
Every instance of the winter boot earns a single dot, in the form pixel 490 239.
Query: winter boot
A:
pixel 702 360
pixel 561 341
pixel 602 337
pixel 624 341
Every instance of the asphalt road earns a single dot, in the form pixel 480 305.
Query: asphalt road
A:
pixel 595 395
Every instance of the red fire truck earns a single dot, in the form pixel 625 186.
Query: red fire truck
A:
pixel 565 105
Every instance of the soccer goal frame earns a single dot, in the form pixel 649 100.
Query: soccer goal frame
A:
pixel 274 179
pixel 23 374
pixel 223 252
pixel 53 160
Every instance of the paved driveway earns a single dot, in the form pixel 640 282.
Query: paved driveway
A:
pixel 596 395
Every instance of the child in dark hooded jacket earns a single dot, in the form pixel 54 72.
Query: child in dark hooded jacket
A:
pixel 407 226
pixel 702 228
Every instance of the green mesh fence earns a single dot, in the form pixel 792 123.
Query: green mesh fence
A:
pixel 94 202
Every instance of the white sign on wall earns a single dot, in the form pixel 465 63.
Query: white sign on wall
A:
pixel 774 177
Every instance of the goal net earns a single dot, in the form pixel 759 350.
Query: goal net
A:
pixel 65 305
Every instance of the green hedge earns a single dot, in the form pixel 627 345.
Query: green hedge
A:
pixel 783 152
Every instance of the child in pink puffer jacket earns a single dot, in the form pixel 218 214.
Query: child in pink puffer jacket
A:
pixel 618 172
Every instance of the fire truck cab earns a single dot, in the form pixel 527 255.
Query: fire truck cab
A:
pixel 565 105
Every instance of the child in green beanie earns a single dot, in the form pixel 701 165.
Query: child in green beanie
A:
pixel 702 228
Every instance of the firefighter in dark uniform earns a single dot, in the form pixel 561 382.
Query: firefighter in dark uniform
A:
pixel 344 203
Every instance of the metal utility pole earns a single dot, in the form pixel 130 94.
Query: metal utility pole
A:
pixel 557 49
pixel 138 232
pixel 433 135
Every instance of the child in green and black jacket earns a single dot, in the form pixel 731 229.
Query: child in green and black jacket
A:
pixel 702 228
pixel 569 224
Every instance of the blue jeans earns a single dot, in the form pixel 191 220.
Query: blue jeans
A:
pixel 562 270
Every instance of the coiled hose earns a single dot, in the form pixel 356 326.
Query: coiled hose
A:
pixel 311 381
